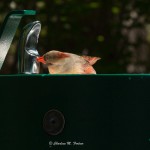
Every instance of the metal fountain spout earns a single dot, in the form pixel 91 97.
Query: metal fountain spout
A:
pixel 28 49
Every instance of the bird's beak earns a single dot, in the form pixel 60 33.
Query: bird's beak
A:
pixel 41 59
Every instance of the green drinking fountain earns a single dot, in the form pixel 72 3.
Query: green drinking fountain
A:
pixel 68 112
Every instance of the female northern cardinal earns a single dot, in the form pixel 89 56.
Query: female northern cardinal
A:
pixel 68 63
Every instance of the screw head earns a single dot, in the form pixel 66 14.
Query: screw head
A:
pixel 53 122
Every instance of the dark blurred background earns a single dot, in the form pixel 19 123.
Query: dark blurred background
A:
pixel 117 31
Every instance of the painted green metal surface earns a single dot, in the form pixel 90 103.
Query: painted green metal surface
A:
pixel 108 112
pixel 8 30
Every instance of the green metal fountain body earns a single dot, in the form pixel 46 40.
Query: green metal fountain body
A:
pixel 8 30
pixel 100 111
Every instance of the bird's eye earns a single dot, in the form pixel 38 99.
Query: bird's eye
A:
pixel 46 57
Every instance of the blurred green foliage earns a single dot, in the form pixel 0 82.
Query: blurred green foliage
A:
pixel 117 31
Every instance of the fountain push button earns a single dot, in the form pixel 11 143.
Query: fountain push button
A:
pixel 53 122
